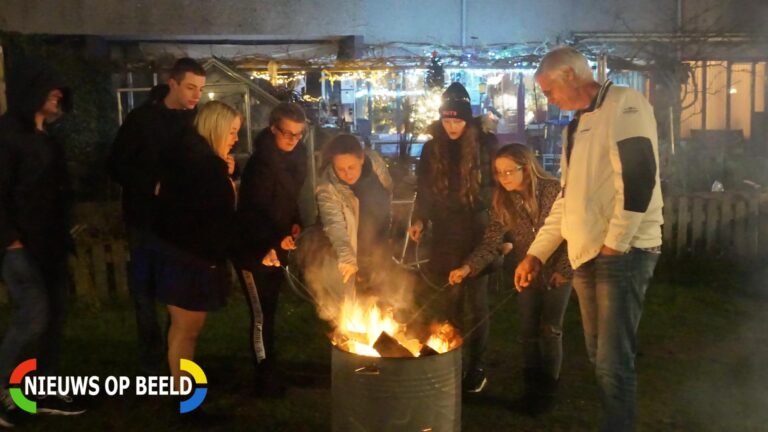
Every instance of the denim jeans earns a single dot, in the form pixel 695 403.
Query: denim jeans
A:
pixel 541 315
pixel 611 291
pixel 151 343
pixel 38 294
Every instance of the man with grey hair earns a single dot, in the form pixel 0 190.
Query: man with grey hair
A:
pixel 609 212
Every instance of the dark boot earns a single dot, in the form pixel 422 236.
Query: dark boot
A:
pixel 269 382
pixel 546 391
pixel 526 403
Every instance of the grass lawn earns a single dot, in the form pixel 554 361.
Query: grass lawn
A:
pixel 703 347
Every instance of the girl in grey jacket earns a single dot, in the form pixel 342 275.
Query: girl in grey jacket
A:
pixel 354 197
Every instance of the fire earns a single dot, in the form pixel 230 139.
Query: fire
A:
pixel 444 338
pixel 361 328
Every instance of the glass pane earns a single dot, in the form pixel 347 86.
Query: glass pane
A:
pixel 716 94
pixel 690 118
pixel 760 87
pixel 741 83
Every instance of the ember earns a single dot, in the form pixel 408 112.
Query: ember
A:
pixel 367 329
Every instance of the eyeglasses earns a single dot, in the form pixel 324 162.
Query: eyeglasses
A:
pixel 290 135
pixel 508 173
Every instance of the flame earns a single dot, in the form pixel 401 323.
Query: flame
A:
pixel 361 324
pixel 370 322
pixel 444 338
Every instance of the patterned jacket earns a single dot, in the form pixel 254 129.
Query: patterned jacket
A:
pixel 521 235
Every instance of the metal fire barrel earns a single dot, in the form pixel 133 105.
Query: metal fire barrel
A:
pixel 396 394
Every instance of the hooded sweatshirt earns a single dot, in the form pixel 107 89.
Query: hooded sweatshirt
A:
pixel 35 188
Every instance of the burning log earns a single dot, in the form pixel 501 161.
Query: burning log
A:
pixel 387 346
pixel 427 350
pixel 366 329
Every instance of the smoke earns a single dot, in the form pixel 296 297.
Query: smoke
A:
pixel 381 282
pixel 730 387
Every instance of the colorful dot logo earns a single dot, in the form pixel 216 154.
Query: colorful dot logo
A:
pixel 200 386
pixel 17 376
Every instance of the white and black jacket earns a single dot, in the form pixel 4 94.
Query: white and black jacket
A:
pixel 611 192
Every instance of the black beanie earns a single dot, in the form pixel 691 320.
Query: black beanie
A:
pixel 456 103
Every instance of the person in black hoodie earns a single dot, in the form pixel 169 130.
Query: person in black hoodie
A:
pixel 268 214
pixel 136 161
pixel 453 193
pixel 195 210
pixel 35 203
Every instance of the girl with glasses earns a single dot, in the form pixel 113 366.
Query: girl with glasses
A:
pixel 522 199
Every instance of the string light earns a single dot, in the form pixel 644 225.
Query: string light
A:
pixel 359 75
pixel 426 109
pixel 282 79
pixel 310 99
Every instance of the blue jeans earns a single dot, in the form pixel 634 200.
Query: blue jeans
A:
pixel 38 294
pixel 541 320
pixel 611 291
pixel 142 269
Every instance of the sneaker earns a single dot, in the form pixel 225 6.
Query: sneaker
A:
pixel 539 396
pixel 8 411
pixel 474 381
pixel 269 381
pixel 5 419
pixel 270 387
pixel 58 405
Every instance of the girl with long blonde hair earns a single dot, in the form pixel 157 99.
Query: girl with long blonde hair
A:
pixel 194 219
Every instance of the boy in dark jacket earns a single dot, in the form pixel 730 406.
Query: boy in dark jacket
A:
pixel 268 214
pixel 34 225
pixel 136 163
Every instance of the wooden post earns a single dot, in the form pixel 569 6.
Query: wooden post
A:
pixel 753 226
pixel 726 223
pixel 119 264
pixel 740 229
pixel 714 205
pixel 762 230
pixel 682 227
pixel 100 280
pixel 82 276
pixel 697 225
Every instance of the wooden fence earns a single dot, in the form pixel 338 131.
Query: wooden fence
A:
pixel 717 224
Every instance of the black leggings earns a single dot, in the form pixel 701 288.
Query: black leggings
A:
pixel 268 283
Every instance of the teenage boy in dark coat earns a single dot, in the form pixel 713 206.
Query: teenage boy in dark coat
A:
pixel 268 213
pixel 136 163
